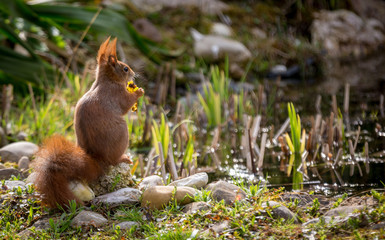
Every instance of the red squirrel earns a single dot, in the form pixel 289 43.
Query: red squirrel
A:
pixel 101 132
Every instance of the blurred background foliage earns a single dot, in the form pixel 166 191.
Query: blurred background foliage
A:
pixel 37 38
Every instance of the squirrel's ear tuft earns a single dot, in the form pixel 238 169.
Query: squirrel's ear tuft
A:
pixel 103 51
pixel 111 52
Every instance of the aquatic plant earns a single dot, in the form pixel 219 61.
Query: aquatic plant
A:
pixel 216 94
pixel 296 147
pixel 161 133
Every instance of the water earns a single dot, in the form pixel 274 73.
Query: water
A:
pixel 366 79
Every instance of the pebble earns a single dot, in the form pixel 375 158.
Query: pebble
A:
pixel 196 206
pixel 228 192
pixel 280 211
pixel 343 211
pixel 361 220
pixel 13 184
pixel 278 69
pixel 8 173
pixel 147 29
pixel 378 226
pixel 31 178
pixel 221 29
pixel 124 196
pixel 127 225
pixel 215 48
pixel 344 34
pixel 3 137
pixel 196 181
pixel 14 151
pixel 206 6
pixel 150 181
pixel 217 228
pixel 24 163
pixel 220 227
pixel 88 218
pixel 157 197
pixel 258 33
pixel 41 224
pixel 82 191
pixel 22 136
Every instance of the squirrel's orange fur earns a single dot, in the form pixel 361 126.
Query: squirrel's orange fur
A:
pixel 101 132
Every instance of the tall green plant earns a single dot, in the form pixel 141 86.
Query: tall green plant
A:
pixel 211 103
pixel 161 133
pixel 189 151
pixel 296 147
pixel 216 93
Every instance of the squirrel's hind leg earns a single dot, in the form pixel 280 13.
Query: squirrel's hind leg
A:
pixel 125 158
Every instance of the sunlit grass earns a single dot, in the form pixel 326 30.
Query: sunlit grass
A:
pixel 296 145
pixel 215 97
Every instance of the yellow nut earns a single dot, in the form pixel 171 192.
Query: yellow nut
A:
pixel 135 107
pixel 131 87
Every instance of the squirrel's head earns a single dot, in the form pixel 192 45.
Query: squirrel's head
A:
pixel 110 66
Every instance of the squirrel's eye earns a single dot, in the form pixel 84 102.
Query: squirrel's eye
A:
pixel 125 69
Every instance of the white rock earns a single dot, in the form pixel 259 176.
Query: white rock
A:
pixel 258 33
pixel 147 29
pixel 150 181
pixel 196 206
pixel 278 69
pixel 14 151
pixel 216 48
pixel 197 181
pixel 124 196
pixel 88 218
pixel 159 196
pixel 82 191
pixel 23 163
pixel 228 192
pixel 206 6
pixel 280 211
pixel 343 33
pixel 343 211
pixel 31 178
pixel 7 173
pixel 13 184
pixel 221 29
pixel 127 225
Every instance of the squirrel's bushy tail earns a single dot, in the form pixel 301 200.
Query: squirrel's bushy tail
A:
pixel 57 163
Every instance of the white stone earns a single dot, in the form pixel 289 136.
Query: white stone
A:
pixel 31 178
pixel 82 191
pixel 123 196
pixel 150 181
pixel 158 197
pixel 197 181
pixel 13 184
pixel 278 69
pixel 215 48
pixel 127 225
pixel 342 33
pixel 258 33
pixel 206 6
pixel 221 29
pixel 14 151
pixel 23 163
pixel 88 218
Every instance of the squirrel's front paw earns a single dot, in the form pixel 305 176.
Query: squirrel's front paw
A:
pixel 139 92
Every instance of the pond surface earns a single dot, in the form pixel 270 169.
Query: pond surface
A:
pixel 352 173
